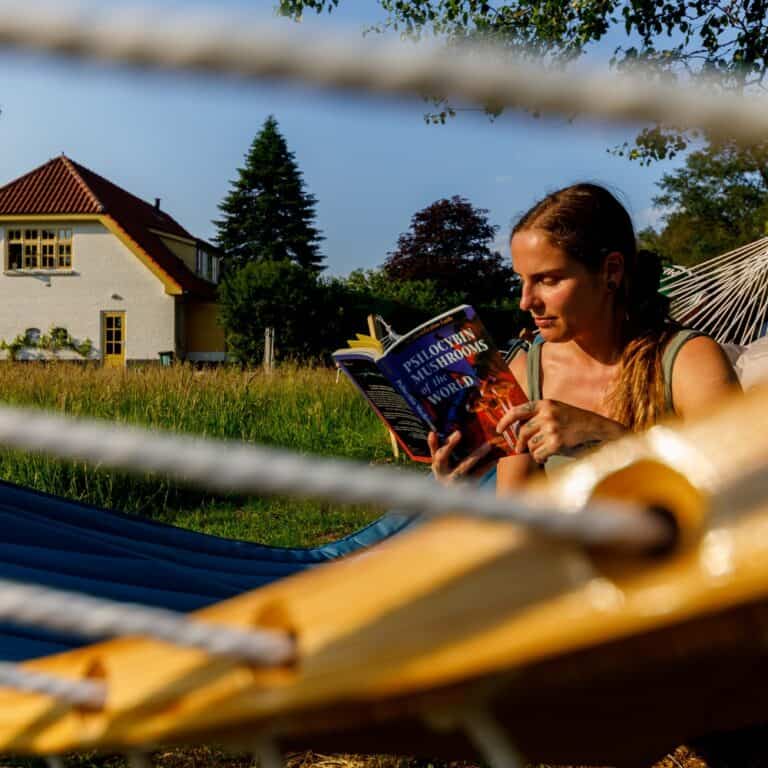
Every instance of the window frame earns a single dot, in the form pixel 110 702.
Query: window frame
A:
pixel 42 247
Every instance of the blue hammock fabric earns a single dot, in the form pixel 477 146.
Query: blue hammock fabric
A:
pixel 67 545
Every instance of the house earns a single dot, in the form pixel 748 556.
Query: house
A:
pixel 85 257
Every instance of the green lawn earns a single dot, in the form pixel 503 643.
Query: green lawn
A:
pixel 301 408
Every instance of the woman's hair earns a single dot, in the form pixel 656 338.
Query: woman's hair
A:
pixel 588 223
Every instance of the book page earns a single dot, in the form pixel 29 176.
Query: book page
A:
pixel 389 404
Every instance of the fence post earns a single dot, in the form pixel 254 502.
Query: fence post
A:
pixel 269 348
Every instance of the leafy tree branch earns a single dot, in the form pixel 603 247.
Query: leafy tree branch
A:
pixel 672 39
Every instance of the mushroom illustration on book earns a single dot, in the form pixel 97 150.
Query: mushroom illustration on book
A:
pixel 444 375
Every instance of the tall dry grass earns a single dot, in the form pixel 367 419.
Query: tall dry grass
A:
pixel 301 408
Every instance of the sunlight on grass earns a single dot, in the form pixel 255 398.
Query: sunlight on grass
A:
pixel 301 408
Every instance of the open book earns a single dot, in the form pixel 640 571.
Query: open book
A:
pixel 447 374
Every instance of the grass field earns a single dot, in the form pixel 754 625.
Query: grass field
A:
pixel 305 409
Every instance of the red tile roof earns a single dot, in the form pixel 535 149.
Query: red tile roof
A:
pixel 62 187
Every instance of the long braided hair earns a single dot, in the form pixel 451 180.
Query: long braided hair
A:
pixel 588 222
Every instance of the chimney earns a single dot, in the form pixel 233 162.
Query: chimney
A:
pixel 157 203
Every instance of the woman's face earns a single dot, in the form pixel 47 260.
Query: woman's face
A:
pixel 565 299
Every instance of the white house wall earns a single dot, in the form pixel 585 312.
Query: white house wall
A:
pixel 106 276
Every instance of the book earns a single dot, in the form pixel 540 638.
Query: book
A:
pixel 444 375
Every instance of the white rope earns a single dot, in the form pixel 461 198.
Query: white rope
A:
pixel 727 296
pixel 249 469
pixel 91 617
pixel 490 739
pixel 268 754
pixel 83 693
pixel 673 274
pixel 180 40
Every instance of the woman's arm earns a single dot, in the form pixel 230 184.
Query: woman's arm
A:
pixel 701 376
pixel 519 369
pixel 513 472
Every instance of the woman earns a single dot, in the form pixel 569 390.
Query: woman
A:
pixel 611 360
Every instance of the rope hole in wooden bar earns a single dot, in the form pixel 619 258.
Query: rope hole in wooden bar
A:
pixel 95 671
pixel 663 491
pixel 276 616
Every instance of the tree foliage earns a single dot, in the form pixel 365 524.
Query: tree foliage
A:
pixel 268 215
pixel 717 202
pixel 449 244
pixel 672 38
pixel 267 293
pixel 407 304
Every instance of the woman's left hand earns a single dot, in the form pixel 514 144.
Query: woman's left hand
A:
pixel 549 427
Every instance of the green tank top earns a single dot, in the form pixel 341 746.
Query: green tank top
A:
pixel 533 370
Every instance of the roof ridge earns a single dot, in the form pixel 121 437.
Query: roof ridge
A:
pixel 162 215
pixel 70 166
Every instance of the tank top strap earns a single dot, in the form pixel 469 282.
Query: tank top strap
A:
pixel 533 371
pixel 668 362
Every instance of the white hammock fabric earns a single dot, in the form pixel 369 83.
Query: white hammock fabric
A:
pixel 752 364
pixel 726 297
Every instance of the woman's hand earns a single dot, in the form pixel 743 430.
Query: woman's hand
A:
pixel 549 426
pixel 442 463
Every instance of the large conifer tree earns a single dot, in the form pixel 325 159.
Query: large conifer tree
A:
pixel 268 214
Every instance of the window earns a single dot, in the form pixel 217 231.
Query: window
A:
pixel 49 260
pixel 64 249
pixel 30 256
pixel 43 248
pixel 207 266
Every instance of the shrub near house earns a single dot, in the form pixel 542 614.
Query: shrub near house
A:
pixel 84 256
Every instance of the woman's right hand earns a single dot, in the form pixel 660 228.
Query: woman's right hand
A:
pixel 442 464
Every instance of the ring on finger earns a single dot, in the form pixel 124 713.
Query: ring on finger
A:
pixel 536 439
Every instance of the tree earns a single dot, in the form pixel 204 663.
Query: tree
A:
pixel 407 304
pixel 673 38
pixel 715 203
pixel 449 244
pixel 267 293
pixel 267 213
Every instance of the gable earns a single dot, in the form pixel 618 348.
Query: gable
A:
pixel 64 188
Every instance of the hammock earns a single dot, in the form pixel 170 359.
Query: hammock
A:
pixel 580 656
pixel 73 546
pixel 725 297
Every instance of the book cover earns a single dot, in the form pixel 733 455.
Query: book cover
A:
pixel 447 374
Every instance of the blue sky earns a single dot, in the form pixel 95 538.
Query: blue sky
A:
pixel 371 163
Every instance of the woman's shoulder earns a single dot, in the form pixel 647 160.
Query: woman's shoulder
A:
pixel 519 368
pixel 702 372
pixel 693 349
